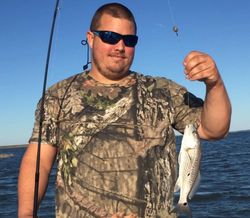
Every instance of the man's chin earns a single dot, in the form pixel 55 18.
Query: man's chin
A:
pixel 117 74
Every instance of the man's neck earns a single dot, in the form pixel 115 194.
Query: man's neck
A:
pixel 104 80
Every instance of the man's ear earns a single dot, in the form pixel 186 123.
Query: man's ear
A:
pixel 90 38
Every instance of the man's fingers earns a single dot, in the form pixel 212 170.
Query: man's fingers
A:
pixel 192 55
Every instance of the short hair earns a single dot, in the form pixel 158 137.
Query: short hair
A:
pixel 116 10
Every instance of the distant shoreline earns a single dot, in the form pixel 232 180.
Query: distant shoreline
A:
pixel 13 146
pixel 3 148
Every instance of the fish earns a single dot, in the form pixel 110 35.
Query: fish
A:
pixel 189 160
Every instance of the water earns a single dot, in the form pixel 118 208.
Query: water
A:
pixel 224 189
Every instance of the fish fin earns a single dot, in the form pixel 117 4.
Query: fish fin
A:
pixel 177 185
pixel 195 186
pixel 184 155
pixel 179 157
pixel 182 208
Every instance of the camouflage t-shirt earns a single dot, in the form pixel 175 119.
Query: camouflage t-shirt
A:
pixel 116 144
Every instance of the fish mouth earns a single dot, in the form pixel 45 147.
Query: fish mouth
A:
pixel 190 129
pixel 191 126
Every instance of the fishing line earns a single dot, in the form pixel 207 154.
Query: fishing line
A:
pixel 175 28
pixel 37 173
pixel 178 37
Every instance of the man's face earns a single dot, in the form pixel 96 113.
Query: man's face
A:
pixel 112 61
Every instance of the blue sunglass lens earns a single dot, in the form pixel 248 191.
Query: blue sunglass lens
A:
pixel 113 38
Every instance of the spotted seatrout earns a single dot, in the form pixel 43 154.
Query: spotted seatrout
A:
pixel 189 169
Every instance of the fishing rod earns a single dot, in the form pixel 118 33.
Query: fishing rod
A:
pixel 37 173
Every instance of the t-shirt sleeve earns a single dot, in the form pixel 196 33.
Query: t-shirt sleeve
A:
pixel 185 107
pixel 49 124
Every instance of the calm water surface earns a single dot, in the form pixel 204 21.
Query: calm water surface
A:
pixel 224 190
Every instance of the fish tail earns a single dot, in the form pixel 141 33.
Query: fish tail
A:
pixel 182 208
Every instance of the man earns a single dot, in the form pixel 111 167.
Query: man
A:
pixel 112 129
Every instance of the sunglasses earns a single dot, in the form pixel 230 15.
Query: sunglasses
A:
pixel 112 38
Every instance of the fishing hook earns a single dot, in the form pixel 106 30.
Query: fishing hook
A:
pixel 37 174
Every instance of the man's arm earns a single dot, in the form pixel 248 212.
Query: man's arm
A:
pixel 216 113
pixel 26 180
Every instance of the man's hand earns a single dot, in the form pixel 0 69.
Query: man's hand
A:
pixel 216 113
pixel 200 66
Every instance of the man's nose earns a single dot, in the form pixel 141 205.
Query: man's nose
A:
pixel 120 45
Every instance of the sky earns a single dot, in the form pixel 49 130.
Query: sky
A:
pixel 220 28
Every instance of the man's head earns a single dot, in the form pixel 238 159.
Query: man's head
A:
pixel 115 10
pixel 112 50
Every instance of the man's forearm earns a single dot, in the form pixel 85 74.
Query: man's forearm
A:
pixel 26 184
pixel 216 114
